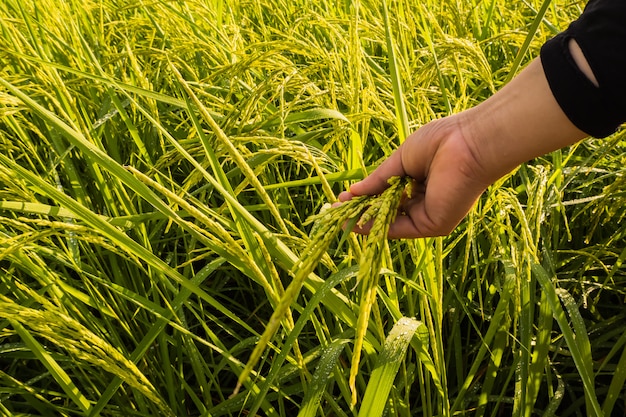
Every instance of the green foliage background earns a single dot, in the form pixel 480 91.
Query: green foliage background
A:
pixel 159 160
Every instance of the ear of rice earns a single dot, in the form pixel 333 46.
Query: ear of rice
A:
pixel 383 213
pixel 326 226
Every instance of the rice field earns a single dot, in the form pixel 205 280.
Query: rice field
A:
pixel 166 246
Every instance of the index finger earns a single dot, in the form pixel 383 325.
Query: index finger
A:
pixel 376 182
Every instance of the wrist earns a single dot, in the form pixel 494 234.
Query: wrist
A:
pixel 518 123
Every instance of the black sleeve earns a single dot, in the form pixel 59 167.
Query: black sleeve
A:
pixel 601 34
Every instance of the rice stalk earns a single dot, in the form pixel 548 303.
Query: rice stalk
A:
pixel 327 225
pixel 383 212
pixel 306 315
pixel 532 31
pixel 67 333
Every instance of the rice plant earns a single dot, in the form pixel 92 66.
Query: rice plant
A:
pixel 165 247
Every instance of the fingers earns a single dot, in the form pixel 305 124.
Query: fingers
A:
pixel 402 228
pixel 444 188
pixel 434 209
pixel 376 182
pixel 412 220
pixel 345 196
pixel 416 224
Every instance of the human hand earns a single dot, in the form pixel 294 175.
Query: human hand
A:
pixel 454 159
pixel 447 180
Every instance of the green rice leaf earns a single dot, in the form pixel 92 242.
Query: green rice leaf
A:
pixel 305 316
pixel 576 337
pixel 321 378
pixel 384 374
pixel 307 116
pixel 540 354
pixel 352 174
pixel 556 399
pixel 616 388
pixel 402 120
pixel 57 372
pixel 532 31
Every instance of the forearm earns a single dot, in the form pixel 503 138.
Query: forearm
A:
pixel 520 122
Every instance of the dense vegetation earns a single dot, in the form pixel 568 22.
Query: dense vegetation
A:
pixel 160 159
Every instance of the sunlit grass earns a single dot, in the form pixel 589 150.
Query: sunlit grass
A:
pixel 160 161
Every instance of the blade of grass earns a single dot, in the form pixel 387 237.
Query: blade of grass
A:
pixel 57 372
pixel 576 338
pixel 526 314
pixel 532 31
pixel 540 354
pixel 556 399
pixel 402 120
pixel 494 371
pixel 496 322
pixel 386 368
pixel 305 316
pixel 581 335
pixel 428 22
pixel 616 388
pixel 321 378
pixel 352 174
pixel 420 342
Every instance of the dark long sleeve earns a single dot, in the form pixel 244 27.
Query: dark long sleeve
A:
pixel 601 34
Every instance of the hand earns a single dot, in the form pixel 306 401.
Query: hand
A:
pixel 453 160
pixel 447 180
